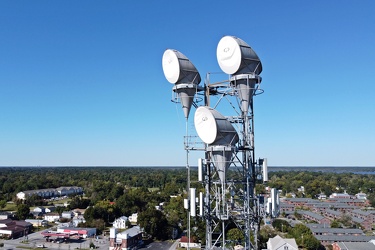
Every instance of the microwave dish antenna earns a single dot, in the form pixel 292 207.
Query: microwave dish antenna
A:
pixel 236 57
pixel 178 68
pixel 181 72
pixel 220 135
pixel 213 128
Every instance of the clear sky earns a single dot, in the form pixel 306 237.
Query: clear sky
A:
pixel 81 82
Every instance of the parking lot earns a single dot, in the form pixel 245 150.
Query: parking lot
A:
pixel 36 240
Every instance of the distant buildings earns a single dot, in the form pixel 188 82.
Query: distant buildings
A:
pixel 37 223
pixel 14 228
pixel 278 243
pixel 133 219
pixel 353 246
pixel 337 206
pixel 50 192
pixel 120 223
pixel 184 243
pixel 361 196
pixel 126 240
pixel 52 217
pixel 82 232
pixel 310 216
pixel 340 195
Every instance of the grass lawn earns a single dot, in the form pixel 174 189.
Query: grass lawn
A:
pixel 10 207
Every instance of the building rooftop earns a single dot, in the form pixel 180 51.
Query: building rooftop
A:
pixel 356 245
pixel 311 214
pixel 131 232
pixel 340 231
pixel 344 238
pixel 334 212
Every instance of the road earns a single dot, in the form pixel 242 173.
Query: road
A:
pixel 35 239
pixel 164 245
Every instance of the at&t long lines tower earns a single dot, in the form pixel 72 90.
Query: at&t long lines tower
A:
pixel 228 169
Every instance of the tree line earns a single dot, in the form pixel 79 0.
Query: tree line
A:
pixel 111 192
pixel 316 183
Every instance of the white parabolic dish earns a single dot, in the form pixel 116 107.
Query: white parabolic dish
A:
pixel 178 68
pixel 229 54
pixel 213 128
pixel 235 56
pixel 171 66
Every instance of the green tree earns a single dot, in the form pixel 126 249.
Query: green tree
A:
pixel 133 201
pixel 3 204
pixel 281 225
pixel 265 233
pixel 299 232
pixel 335 224
pixel 346 220
pixel 175 212
pixel 236 236
pixel 23 211
pixel 79 202
pixel 116 192
pixel 311 243
pixel 89 214
pixel 154 223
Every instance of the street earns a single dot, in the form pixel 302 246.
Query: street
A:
pixel 34 240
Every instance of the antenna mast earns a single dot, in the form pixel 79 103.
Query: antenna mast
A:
pixel 230 200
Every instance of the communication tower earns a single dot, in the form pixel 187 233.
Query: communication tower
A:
pixel 228 170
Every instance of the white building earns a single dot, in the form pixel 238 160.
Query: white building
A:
pixel 322 197
pixel 77 220
pixel 126 240
pixel 84 232
pixel 185 243
pixel 278 243
pixel 37 223
pixel 52 217
pixel 120 222
pixel 67 214
pixel 340 195
pixel 361 196
pixel 62 191
pixel 50 192
pixel 50 209
pixel 133 219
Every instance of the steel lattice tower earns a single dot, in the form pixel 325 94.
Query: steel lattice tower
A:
pixel 229 169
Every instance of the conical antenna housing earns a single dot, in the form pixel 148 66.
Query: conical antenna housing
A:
pixel 237 58
pixel 186 93
pixel 244 85
pixel 179 70
pixel 220 135
pixel 221 156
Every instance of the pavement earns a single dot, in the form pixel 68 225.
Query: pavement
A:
pixel 174 245
pixel 33 240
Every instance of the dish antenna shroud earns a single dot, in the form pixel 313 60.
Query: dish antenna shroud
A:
pixel 220 135
pixel 213 128
pixel 237 58
pixel 181 72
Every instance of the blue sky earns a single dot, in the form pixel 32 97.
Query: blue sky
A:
pixel 81 82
